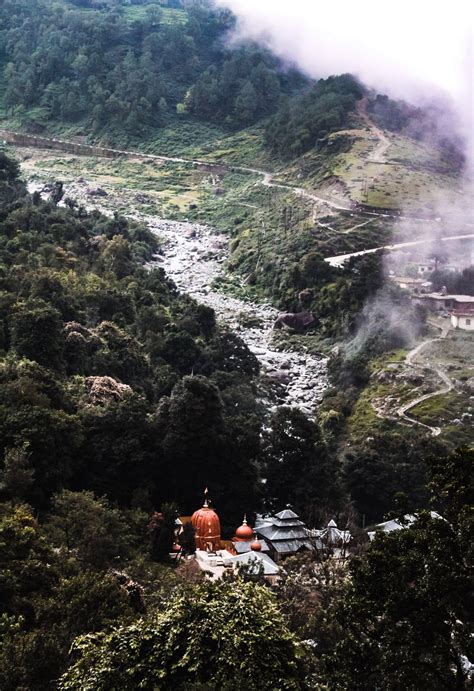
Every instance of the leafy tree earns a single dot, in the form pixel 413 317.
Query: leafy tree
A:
pixel 298 467
pixel 193 642
pixel 78 604
pixel 405 620
pixel 37 334
pixel 26 561
pixel 54 440
pixel 120 451
pixel 87 527
pixel 18 473
pixel 388 466
pixel 452 483
pixel 187 539
pixel 309 593
pixel 191 457
pixel 162 531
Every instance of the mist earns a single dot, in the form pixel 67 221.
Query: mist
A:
pixel 417 50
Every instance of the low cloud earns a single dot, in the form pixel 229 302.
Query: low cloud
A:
pixel 412 49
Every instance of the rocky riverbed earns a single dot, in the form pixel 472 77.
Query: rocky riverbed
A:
pixel 193 257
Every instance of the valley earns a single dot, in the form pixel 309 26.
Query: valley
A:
pixel 236 347
pixel 175 195
pixel 193 256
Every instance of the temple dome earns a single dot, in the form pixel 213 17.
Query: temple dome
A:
pixel 256 546
pixel 244 532
pixel 207 527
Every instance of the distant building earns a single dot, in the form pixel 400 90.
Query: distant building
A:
pixel 415 285
pixel 439 302
pixel 425 269
pixel 397 524
pixel 463 319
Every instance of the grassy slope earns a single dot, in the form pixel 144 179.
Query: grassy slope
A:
pixel 387 390
pixel 410 176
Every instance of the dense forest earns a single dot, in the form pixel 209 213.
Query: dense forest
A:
pixel 153 72
pixel 122 398
pixel 109 376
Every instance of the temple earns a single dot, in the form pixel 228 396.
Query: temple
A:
pixel 260 549
pixel 285 534
pixel 207 527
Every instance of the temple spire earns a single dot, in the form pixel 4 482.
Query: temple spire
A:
pixel 206 503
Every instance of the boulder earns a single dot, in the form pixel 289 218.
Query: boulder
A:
pixel 96 192
pixel 298 321
pixel 280 377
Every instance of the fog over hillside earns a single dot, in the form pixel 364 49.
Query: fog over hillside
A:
pixel 414 51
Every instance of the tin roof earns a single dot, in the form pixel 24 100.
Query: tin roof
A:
pixel 243 547
pixel 254 560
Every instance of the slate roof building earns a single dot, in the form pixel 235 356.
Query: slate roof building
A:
pixel 398 524
pixel 256 563
pixel 285 534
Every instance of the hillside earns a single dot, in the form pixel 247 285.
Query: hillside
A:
pixel 235 449
pixel 291 169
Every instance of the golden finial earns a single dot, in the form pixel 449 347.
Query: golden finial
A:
pixel 245 519
pixel 206 504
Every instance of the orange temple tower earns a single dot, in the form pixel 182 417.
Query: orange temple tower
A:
pixel 207 527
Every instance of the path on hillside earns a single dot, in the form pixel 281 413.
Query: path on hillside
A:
pixel 340 259
pixel 379 154
pixel 380 151
pixel 24 140
pixel 446 388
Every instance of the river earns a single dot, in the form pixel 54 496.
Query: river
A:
pixel 193 256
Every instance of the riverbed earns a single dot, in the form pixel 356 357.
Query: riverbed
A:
pixel 194 256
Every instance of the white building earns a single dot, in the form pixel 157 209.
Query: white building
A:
pixel 398 524
pixel 463 319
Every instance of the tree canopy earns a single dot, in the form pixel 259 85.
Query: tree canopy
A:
pixel 217 635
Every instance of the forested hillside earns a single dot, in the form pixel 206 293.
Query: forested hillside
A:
pixel 109 378
pixel 98 353
pixel 122 397
pixel 117 77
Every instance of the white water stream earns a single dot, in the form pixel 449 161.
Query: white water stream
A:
pixel 193 256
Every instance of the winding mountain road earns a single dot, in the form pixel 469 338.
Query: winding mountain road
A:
pixel 341 259
pixel 20 139
pixel 446 388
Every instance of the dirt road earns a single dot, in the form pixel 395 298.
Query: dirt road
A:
pixel 441 374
